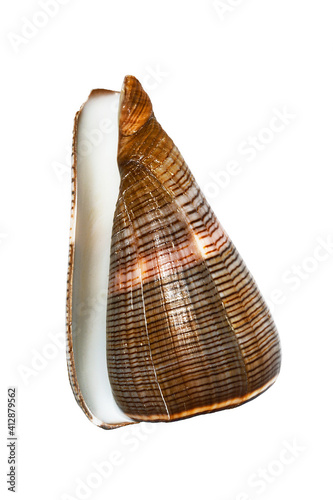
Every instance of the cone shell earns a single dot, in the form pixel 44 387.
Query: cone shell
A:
pixel 187 330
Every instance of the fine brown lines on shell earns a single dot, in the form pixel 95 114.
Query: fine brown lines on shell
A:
pixel 135 107
pixel 188 331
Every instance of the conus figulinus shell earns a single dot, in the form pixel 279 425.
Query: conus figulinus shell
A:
pixel 164 321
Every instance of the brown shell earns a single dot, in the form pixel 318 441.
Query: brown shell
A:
pixel 188 331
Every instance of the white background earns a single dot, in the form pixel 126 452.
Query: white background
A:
pixel 215 79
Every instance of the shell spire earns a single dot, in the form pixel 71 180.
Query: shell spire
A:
pixel 135 107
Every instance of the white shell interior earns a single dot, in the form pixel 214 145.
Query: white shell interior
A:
pixel 97 191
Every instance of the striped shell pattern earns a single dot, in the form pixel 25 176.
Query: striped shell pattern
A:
pixel 186 329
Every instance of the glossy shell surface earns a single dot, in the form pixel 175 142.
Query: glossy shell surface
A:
pixel 187 330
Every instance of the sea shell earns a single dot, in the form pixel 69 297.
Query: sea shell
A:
pixel 170 323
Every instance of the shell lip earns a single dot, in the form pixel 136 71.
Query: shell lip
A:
pixel 100 91
pixel 70 334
